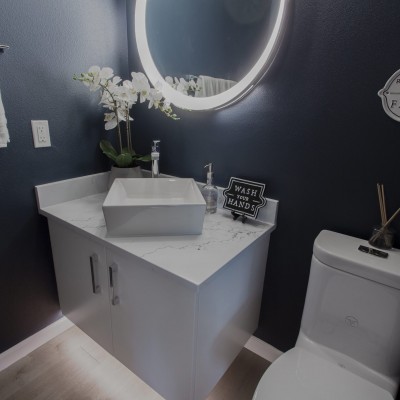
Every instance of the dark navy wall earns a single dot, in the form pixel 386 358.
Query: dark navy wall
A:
pixel 313 130
pixel 50 41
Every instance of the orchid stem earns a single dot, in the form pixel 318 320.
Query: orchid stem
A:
pixel 104 87
pixel 128 131
pixel 118 130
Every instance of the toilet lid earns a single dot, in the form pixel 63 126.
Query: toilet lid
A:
pixel 302 375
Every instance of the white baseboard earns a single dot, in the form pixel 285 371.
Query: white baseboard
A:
pixel 262 349
pixel 31 343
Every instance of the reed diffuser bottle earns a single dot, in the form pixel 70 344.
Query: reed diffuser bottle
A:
pixel 383 236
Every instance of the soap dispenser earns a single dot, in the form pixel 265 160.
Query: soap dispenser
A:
pixel 210 191
pixel 155 157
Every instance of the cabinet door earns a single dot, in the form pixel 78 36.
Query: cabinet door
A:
pixel 82 282
pixel 153 325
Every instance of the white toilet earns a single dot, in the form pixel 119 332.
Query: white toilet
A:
pixel 348 347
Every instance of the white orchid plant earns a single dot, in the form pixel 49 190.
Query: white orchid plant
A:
pixel 118 97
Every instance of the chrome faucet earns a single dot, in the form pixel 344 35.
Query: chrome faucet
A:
pixel 155 156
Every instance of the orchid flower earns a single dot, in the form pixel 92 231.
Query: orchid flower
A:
pixel 141 84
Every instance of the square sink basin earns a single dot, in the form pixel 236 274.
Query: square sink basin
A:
pixel 159 206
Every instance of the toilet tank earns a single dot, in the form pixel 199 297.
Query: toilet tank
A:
pixel 352 309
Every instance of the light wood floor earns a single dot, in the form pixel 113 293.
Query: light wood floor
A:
pixel 73 367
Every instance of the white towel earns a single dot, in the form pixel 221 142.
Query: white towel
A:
pixel 4 136
pixel 210 86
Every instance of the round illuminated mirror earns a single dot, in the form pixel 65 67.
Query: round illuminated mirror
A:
pixel 207 54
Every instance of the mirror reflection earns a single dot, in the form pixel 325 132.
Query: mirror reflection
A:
pixel 204 47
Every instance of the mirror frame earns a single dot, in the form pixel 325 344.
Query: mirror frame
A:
pixel 242 88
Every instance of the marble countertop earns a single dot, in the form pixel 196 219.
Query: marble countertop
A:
pixel 194 258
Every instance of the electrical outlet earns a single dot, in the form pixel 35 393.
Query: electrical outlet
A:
pixel 41 133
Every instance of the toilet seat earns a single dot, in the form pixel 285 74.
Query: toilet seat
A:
pixel 301 375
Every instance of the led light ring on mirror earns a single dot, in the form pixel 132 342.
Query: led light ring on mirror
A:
pixel 220 100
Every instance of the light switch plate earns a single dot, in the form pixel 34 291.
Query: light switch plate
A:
pixel 41 133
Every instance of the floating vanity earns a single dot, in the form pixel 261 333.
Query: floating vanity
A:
pixel 176 310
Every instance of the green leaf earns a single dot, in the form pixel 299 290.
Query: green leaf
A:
pixel 124 160
pixel 146 158
pixel 108 150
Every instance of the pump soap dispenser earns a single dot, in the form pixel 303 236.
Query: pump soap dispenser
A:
pixel 155 157
pixel 210 192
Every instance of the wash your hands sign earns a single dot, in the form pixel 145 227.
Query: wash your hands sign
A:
pixel 244 197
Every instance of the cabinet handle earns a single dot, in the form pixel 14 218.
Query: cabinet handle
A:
pixel 112 270
pixel 94 259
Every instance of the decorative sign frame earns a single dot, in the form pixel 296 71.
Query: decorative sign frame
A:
pixel 390 96
pixel 244 198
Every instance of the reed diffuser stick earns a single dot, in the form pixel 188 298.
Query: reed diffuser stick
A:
pixel 378 186
pixel 391 219
pixel 383 204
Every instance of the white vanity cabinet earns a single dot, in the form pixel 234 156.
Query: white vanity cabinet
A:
pixel 174 310
pixel 178 337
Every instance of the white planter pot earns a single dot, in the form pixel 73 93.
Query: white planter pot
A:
pixel 116 172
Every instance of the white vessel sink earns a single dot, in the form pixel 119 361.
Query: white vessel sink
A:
pixel 159 206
